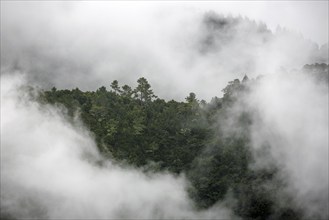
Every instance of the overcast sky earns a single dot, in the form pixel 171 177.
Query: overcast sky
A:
pixel 308 17
pixel 97 42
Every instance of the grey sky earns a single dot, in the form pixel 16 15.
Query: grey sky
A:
pixel 307 17
pixel 310 18
pixel 96 42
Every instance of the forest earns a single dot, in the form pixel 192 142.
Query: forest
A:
pixel 164 110
pixel 135 127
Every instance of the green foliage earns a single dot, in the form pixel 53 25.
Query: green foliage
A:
pixel 115 86
pixel 143 90
pixel 135 126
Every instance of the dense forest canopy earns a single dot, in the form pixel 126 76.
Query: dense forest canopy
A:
pixel 164 110
pixel 134 126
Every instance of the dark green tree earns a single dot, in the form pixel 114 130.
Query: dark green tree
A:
pixel 188 137
pixel 143 90
pixel 127 91
pixel 115 86
pixel 191 98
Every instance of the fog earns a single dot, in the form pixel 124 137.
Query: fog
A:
pixel 50 166
pixel 290 124
pixel 92 44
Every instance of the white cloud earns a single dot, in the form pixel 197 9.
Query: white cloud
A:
pixel 50 169
pixel 292 118
pixel 93 43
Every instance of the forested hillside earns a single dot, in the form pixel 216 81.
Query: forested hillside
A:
pixel 134 126
pixel 164 110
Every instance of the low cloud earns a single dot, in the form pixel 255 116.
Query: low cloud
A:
pixel 178 49
pixel 290 131
pixel 50 168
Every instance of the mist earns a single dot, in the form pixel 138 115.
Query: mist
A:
pixel 293 113
pixel 51 166
pixel 51 169
pixel 92 44
pixel 289 131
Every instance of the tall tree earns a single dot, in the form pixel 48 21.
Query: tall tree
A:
pixel 143 90
pixel 127 91
pixel 115 86
pixel 191 98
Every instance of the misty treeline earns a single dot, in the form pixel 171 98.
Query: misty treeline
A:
pixel 217 45
pixel 133 126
